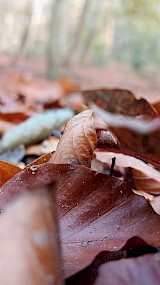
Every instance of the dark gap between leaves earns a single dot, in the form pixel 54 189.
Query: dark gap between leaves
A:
pixel 88 275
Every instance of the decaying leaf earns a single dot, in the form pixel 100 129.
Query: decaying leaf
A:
pixel 157 107
pixel 119 101
pixel 29 241
pixel 96 212
pixel 78 141
pixel 42 159
pixel 146 178
pixel 35 129
pixel 138 136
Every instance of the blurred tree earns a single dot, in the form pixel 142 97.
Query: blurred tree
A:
pixel 82 32
pixel 53 53
pixel 25 33
pixel 78 34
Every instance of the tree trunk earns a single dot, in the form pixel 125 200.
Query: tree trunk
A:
pixel 78 32
pixel 24 37
pixel 53 52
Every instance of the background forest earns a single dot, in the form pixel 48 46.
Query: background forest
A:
pixel 66 33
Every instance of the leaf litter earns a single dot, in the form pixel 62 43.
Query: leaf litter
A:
pixel 98 215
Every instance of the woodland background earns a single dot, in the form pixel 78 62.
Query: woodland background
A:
pixel 93 64
pixel 111 43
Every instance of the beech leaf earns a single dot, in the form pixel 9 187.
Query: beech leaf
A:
pixel 119 101
pixel 145 177
pixel 93 273
pixel 78 142
pixel 138 136
pixel 7 171
pixel 96 212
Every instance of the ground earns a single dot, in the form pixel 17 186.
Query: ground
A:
pixel 112 76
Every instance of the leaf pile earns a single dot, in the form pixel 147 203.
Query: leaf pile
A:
pixel 105 167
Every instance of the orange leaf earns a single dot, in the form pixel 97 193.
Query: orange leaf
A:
pixel 7 171
pixel 42 159
pixel 78 141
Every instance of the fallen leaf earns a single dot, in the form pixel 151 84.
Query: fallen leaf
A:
pixel 147 180
pixel 138 136
pixel 157 107
pixel 78 142
pixel 119 101
pixel 96 212
pixel 68 85
pixel 145 177
pixel 45 147
pixel 74 101
pixel 29 241
pixel 34 90
pixel 92 274
pixel 14 117
pixel 7 171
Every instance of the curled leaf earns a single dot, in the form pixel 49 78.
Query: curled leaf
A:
pixel 138 136
pixel 145 177
pixel 119 101
pixel 78 142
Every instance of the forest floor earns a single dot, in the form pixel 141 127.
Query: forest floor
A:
pixel 112 76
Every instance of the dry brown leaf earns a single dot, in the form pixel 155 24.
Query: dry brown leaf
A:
pixel 157 107
pixel 78 141
pixel 119 101
pixel 139 137
pixel 96 211
pixel 44 147
pixel 7 171
pixel 42 159
pixel 29 241
pixel 68 85
pixel 147 180
pixel 153 200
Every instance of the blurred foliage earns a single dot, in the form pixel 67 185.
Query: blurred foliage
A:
pixel 121 30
